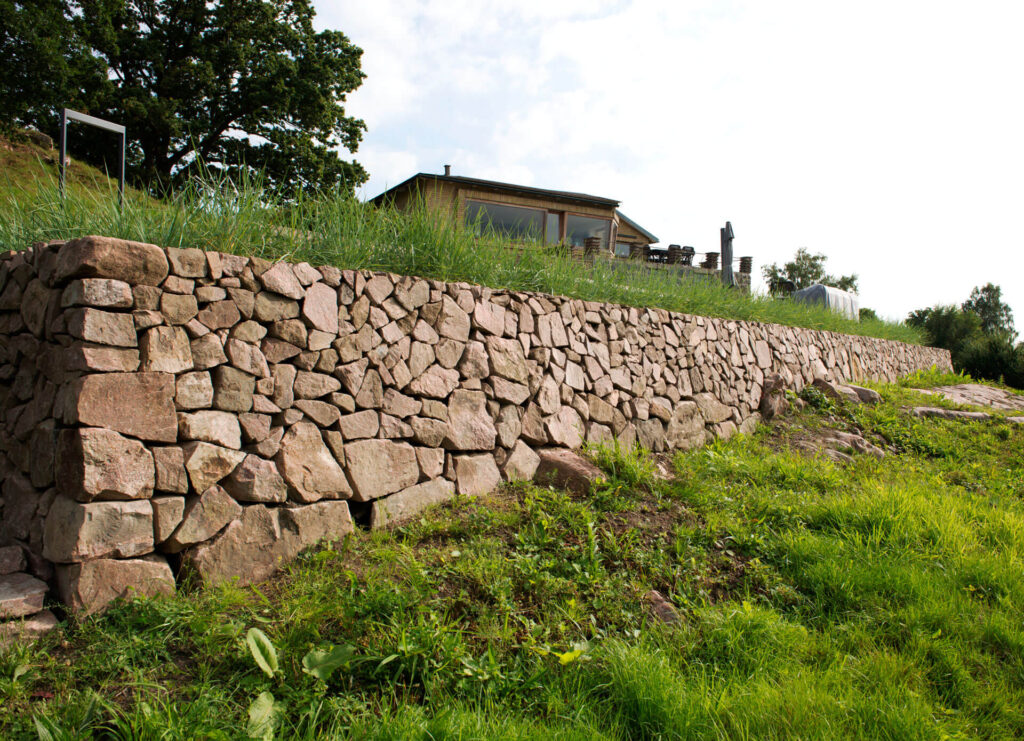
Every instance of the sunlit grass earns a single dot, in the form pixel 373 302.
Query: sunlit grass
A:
pixel 878 599
pixel 245 218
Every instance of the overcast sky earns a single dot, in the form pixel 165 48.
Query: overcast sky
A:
pixel 888 135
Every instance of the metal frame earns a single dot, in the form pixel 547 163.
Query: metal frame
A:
pixel 67 114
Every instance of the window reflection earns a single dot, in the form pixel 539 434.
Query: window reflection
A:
pixel 514 222
pixel 553 233
pixel 579 228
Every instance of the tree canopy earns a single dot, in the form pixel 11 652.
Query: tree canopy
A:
pixel 996 317
pixel 232 85
pixel 979 335
pixel 805 270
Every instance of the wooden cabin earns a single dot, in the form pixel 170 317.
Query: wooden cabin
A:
pixel 523 213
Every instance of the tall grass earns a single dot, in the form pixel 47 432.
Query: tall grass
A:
pixel 879 599
pixel 246 218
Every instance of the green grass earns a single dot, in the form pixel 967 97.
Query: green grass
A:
pixel 245 218
pixel 30 170
pixel 880 599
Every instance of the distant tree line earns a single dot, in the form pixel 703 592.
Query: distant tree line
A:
pixel 238 86
pixel 979 334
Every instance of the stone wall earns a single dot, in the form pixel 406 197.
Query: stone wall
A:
pixel 178 411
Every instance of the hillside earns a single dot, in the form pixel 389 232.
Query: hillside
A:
pixel 29 165
pixel 865 594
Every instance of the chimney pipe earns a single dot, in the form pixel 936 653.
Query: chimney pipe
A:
pixel 447 169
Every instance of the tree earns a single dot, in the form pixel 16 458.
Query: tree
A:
pixel 233 85
pixel 948 327
pixel 982 354
pixel 996 317
pixel 44 64
pixel 805 270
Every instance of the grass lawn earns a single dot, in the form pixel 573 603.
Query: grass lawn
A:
pixel 879 599
pixel 245 218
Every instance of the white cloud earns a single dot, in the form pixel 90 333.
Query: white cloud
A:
pixel 885 134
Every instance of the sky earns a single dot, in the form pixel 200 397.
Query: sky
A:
pixel 887 135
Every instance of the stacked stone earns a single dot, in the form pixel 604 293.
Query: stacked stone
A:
pixel 220 413
pixel 22 616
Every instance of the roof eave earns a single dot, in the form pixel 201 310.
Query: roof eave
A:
pixel 506 187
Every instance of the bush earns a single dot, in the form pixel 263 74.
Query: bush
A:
pixel 992 356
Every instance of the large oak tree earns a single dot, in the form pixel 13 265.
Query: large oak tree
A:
pixel 232 85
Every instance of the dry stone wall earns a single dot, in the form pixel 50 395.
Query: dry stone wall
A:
pixel 172 410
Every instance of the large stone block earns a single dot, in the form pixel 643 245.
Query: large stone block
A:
pixel 686 427
pixel 380 467
pixel 255 546
pixel 86 356
pixel 470 427
pixel 27 630
pixel 171 475
pixel 75 532
pixel 249 549
pixel 305 526
pixel 204 517
pixel 507 359
pixel 521 464
pixel 232 389
pixel 452 321
pixel 90 587
pixel 281 279
pixel 167 515
pixel 94 463
pixel 320 308
pixel 12 559
pixel 565 428
pixel 166 350
pixel 102 293
pixel 104 257
pixel 187 263
pixel 102 327
pixel 20 595
pixel 256 480
pixel 566 470
pixel 136 404
pixel 476 474
pixel 207 464
pixel 193 390
pixel 308 467
pixel 219 428
pixel 404 505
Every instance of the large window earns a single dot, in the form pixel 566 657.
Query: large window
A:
pixel 514 222
pixel 579 228
pixel 553 232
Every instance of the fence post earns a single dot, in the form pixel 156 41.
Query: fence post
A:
pixel 728 278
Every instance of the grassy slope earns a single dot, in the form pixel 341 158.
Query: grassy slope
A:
pixel 240 218
pixel 878 600
pixel 28 170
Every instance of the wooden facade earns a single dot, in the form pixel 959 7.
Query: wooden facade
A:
pixel 460 197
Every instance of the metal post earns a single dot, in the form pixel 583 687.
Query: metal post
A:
pixel 63 149
pixel 99 123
